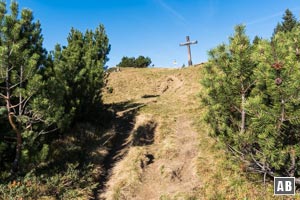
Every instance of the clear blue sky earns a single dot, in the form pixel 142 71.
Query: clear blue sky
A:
pixel 155 28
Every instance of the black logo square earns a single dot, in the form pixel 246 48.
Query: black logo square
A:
pixel 284 185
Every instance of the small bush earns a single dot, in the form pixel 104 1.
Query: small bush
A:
pixel 74 183
pixel 253 100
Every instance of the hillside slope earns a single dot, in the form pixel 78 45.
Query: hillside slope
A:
pixel 167 153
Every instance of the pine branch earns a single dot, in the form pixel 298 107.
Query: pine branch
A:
pixel 249 86
pixel 239 110
pixel 15 85
pixel 10 69
pixel 20 103
pixel 3 96
pixel 43 132
pixel 236 152
pixel 25 103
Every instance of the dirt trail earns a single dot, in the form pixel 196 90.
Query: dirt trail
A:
pixel 170 176
pixel 165 167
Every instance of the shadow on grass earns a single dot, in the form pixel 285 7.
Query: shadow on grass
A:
pixel 89 149
pixel 122 106
pixel 101 143
pixel 146 96
pixel 144 134
pixel 122 126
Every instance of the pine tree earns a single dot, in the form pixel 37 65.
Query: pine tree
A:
pixel 253 100
pixel 228 79
pixel 21 55
pixel 289 22
pixel 275 105
pixel 256 40
pixel 79 67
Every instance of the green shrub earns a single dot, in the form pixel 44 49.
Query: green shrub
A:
pixel 253 100
pixel 74 183
pixel 140 62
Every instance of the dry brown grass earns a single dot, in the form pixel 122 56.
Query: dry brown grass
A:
pixel 188 163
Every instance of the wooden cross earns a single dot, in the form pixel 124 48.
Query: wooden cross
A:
pixel 188 43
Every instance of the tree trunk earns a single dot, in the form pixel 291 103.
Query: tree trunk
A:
pixel 15 166
pixel 20 95
pixel 243 113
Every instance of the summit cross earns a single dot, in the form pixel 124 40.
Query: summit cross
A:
pixel 188 43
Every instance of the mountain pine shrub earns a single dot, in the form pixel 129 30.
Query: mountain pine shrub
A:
pixel 252 95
